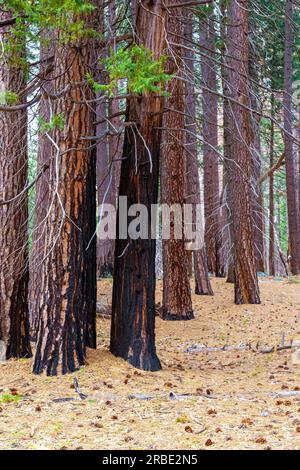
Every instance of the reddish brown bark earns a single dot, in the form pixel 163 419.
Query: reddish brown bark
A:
pixel 246 282
pixel 14 318
pixel 66 304
pixel 193 196
pixel 133 308
pixel 293 216
pixel 177 303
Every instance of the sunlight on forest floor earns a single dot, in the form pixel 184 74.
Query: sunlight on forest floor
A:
pixel 223 399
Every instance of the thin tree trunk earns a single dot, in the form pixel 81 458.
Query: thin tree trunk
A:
pixel 210 147
pixel 258 210
pixel 67 299
pixel 293 216
pixel 133 307
pixel 14 318
pixel 177 303
pixel 227 229
pixel 202 282
pixel 246 282
pixel 272 268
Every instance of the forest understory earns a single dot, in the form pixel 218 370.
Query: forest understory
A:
pixel 236 398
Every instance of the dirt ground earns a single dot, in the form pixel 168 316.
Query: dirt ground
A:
pixel 224 399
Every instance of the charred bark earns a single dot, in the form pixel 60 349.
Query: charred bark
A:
pixel 133 307
pixel 14 318
pixel 66 303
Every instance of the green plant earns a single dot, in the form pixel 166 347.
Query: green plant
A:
pixel 57 121
pixel 9 398
pixel 137 65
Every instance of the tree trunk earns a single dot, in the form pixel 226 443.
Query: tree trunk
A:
pixel 293 216
pixel 177 303
pixel 133 306
pixel 67 299
pixel 210 147
pixel 246 282
pixel 202 282
pixel 227 228
pixel 272 268
pixel 14 318
pixel 258 209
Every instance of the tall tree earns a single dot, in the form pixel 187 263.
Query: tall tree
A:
pixel 202 282
pixel 246 282
pixel 272 265
pixel 177 303
pixel 133 307
pixel 210 144
pixel 67 299
pixel 14 318
pixel 293 216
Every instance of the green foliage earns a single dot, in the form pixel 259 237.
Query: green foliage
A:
pixel 8 98
pixel 57 121
pixel 66 16
pixel 9 398
pixel 136 64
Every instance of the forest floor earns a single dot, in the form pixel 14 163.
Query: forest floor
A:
pixel 220 399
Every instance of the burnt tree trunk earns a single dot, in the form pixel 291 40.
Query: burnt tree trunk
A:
pixel 193 196
pixel 210 146
pixel 14 318
pixel 293 216
pixel 246 282
pixel 177 303
pixel 66 303
pixel 133 306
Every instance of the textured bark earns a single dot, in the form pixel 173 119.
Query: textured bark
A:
pixel 133 307
pixel 246 282
pixel 293 216
pixel 272 269
pixel 177 303
pixel 66 303
pixel 193 196
pixel 14 318
pixel 210 143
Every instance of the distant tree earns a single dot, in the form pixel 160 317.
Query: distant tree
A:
pixel 193 196
pixel 293 215
pixel 177 303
